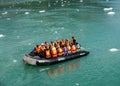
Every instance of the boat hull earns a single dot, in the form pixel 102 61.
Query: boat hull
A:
pixel 36 60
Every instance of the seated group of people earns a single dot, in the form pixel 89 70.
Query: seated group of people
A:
pixel 59 48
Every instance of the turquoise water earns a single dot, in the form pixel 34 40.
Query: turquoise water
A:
pixel 25 23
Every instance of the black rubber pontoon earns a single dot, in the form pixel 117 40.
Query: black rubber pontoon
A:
pixel 36 60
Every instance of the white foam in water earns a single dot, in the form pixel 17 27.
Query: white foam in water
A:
pixel 5 13
pixel 111 13
pixel 77 10
pixel 14 61
pixel 62 5
pixel 29 43
pixel 42 11
pixel 18 37
pixel 1 35
pixel 77 84
pixel 56 32
pixel 44 69
pixel 81 0
pixel 108 9
pixel 113 49
pixel 27 13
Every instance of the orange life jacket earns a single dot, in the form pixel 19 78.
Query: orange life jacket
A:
pixel 42 49
pixel 60 51
pixel 69 48
pixel 73 49
pixel 48 55
pixel 54 52
pixel 37 50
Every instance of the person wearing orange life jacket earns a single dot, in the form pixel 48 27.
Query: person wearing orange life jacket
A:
pixel 52 44
pixel 53 51
pixel 67 42
pixel 46 44
pixel 69 49
pixel 47 53
pixel 60 51
pixel 73 49
pixel 73 41
pixel 37 50
pixel 62 43
pixel 57 44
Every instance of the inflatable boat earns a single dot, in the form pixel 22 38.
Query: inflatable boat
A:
pixel 36 60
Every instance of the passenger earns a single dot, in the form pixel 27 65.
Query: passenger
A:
pixel 73 40
pixel 42 47
pixel 46 44
pixel 47 53
pixel 52 44
pixel 54 52
pixel 69 49
pixel 67 42
pixel 65 51
pixel 57 44
pixel 62 43
pixel 73 49
pixel 42 53
pixel 77 46
pixel 50 47
pixel 32 53
pixel 37 50
pixel 60 51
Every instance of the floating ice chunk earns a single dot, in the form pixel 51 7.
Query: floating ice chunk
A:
pixel 111 13
pixel 1 35
pixel 14 61
pixel 26 13
pixel 8 18
pixel 42 11
pixel 77 84
pixel 113 49
pixel 108 9
pixel 5 13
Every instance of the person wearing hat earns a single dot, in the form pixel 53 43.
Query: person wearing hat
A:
pixel 42 53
